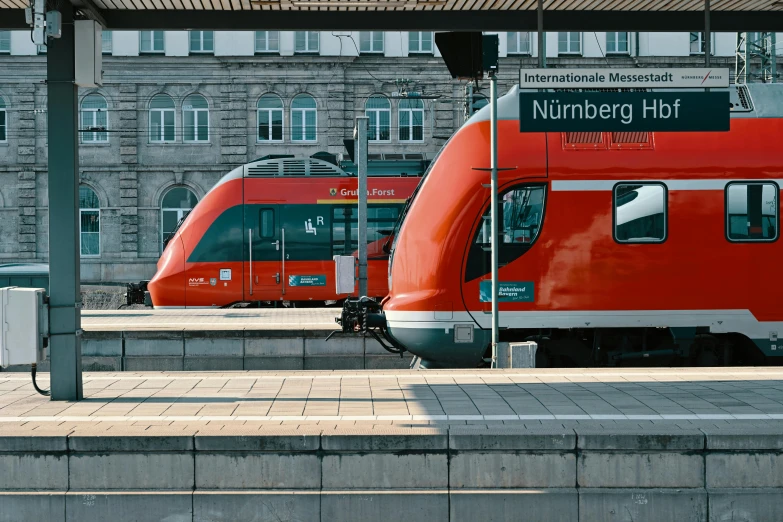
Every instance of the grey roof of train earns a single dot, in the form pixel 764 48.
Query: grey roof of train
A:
pixel 766 101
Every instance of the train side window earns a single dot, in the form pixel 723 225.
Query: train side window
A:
pixel 345 229
pixel 520 220
pixel 752 212
pixel 266 223
pixel 640 213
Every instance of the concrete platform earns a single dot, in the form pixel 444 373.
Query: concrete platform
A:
pixel 554 445
pixel 224 340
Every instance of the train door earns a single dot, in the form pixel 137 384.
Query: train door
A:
pixel 264 246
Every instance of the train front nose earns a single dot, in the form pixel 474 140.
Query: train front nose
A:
pixel 167 287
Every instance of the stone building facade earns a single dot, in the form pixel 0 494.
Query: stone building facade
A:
pixel 153 135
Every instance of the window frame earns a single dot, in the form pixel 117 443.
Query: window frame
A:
pixel 269 112
pixel 308 49
pixel 419 41
pixel 371 40
pixel 518 41
pixel 107 37
pixel 180 210
pixel 94 112
pixel 81 232
pixel 627 51
pixel 257 50
pixel 304 112
pixel 348 228
pixel 726 210
pixel 569 42
pixel 410 126
pixel 152 49
pixel 162 112
pixel 665 212
pixel 8 34
pixel 702 43
pixel 375 131
pixel 201 50
pixel 196 124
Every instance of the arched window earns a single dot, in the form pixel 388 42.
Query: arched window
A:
pixel 161 119
pixel 411 113
pixel 270 118
pixel 95 119
pixel 3 124
pixel 304 118
pixel 89 223
pixel 176 205
pixel 195 118
pixel 378 110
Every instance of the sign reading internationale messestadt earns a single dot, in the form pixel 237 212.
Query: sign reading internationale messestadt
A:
pixel 673 78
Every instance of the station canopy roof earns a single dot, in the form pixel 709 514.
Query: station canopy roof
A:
pixel 454 15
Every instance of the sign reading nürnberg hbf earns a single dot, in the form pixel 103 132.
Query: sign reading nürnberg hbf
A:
pixel 623 78
pixel 623 111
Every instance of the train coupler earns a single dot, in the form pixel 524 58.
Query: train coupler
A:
pixel 364 316
pixel 137 293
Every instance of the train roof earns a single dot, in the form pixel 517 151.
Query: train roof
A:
pixel 754 100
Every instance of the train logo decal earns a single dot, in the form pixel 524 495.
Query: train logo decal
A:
pixel 213 281
pixel 508 292
pixel 333 191
pixel 307 280
pixel 196 281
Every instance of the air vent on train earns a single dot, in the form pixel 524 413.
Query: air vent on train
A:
pixel 293 167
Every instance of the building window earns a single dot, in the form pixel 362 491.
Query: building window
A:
pixel 371 41
pixel 195 118
pixel 306 41
pixel 752 212
pixel 267 41
pixel 411 114
pixel 569 43
pixel 698 43
pixel 177 204
pixel 162 119
pixel 617 43
pixel 270 118
pixel 640 213
pixel 518 43
pixel 304 118
pixel 3 121
pixel 95 119
pixel 378 110
pixel 5 42
pixel 89 223
pixel 420 42
pixel 202 42
pixel 151 41
pixel 106 42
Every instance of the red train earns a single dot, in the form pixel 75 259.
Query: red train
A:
pixel 614 247
pixel 267 231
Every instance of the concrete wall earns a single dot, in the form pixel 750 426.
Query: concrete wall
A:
pixel 223 350
pixel 437 474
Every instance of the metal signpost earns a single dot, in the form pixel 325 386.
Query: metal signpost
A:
pixel 361 163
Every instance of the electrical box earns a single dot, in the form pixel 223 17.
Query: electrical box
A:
pixel 54 26
pixel 24 325
pixel 89 55
pixel 345 274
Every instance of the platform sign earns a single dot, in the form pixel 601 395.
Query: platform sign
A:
pixel 647 78
pixel 307 280
pixel 508 292
pixel 624 111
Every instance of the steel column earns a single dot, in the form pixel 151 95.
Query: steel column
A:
pixel 493 88
pixel 64 275
pixel 707 34
pixel 541 35
pixel 361 156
